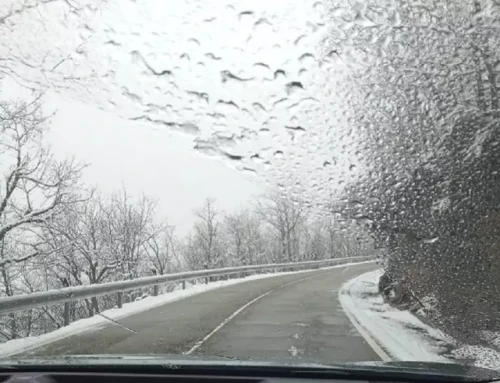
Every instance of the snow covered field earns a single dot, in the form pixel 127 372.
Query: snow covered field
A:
pixel 400 335
pixel 97 322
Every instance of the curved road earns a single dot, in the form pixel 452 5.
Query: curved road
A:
pixel 295 315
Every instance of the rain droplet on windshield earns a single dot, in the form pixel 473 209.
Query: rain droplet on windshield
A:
pixel 279 73
pixel 429 240
pixel 293 86
pixel 278 154
pixel 245 14
pixel 227 76
pixel 256 158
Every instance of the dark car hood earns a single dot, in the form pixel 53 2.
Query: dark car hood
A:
pixel 275 366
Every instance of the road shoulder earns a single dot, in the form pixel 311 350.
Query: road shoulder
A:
pixel 393 334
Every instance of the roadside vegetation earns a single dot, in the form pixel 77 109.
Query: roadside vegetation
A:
pixel 431 197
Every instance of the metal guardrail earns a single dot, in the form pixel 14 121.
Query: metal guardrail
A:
pixel 69 294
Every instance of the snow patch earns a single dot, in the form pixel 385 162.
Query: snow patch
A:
pixel 403 336
pixel 399 334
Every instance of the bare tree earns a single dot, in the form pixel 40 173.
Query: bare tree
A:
pixel 203 249
pixel 245 240
pixel 35 187
pixel 103 239
pixel 162 252
pixel 284 215
pixel 132 226
pixel 52 65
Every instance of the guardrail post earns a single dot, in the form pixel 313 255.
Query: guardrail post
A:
pixel 66 313
pixel 155 290
pixel 183 285
pixel 120 299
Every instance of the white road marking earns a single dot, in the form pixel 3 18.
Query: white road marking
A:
pixel 373 344
pixel 200 343
pixel 117 323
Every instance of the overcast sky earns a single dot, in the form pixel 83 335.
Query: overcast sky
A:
pixel 146 159
pixel 252 84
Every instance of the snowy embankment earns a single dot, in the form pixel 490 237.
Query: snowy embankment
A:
pixel 97 322
pixel 400 335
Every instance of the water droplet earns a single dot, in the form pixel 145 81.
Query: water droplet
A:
pixel 291 87
pixel 245 14
pixel 299 39
pixel 194 42
pixel 200 95
pixel 264 132
pixel 189 128
pixel 261 65
pixel 262 22
pixel 280 101
pixel 279 73
pixel 256 158
pixel 429 240
pixel 205 147
pixel 333 54
pixel 226 107
pixel 227 75
pixel 306 57
pixel 258 107
pixel 213 57
pixel 261 70
pixel 249 170
pixel 302 102
pixel 112 43
pixel 295 128
pixel 233 157
pixel 278 154
pixel 356 203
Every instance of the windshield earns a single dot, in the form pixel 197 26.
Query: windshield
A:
pixel 292 181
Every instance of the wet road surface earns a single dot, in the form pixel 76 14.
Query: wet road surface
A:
pixel 296 315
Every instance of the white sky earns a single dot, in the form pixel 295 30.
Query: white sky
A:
pixel 147 160
pixel 224 69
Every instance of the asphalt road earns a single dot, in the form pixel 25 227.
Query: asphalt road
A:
pixel 296 315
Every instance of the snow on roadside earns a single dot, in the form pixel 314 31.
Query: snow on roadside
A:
pixel 399 334
pixel 97 322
